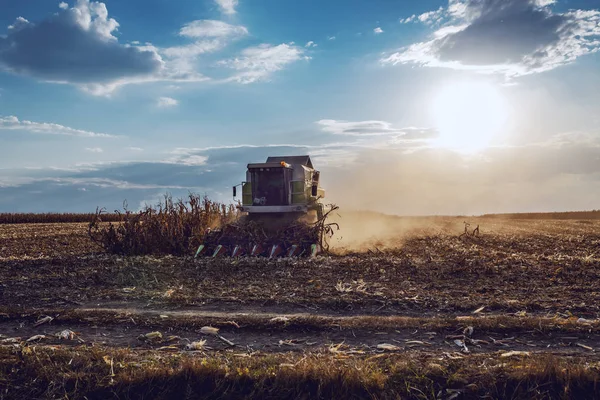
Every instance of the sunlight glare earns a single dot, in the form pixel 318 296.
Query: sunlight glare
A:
pixel 469 115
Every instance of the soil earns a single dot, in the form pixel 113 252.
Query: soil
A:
pixel 274 332
pixel 521 285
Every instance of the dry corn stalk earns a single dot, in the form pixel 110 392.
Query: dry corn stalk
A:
pixel 67 334
pixel 514 353
pixel 44 320
pixel 171 227
pixel 36 338
pixel 151 337
pixel 209 330
pixel 197 345
pixel 387 347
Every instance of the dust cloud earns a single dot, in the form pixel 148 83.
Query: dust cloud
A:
pixel 439 182
pixel 450 188
pixel 362 230
pixel 385 198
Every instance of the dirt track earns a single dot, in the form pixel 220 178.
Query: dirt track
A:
pixel 121 325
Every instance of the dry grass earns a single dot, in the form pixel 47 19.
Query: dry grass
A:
pixel 52 372
pixel 528 275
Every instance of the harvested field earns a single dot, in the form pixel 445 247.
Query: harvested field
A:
pixel 50 218
pixel 419 311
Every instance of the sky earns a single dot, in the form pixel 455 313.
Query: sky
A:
pixel 407 107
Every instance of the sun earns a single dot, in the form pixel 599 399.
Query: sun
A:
pixel 469 115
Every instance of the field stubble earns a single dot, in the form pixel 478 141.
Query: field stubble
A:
pixel 410 283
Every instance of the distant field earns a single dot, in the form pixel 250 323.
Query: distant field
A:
pixel 49 218
pixel 29 218
pixel 595 214
pixel 405 307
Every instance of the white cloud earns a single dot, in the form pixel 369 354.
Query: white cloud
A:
pixel 259 62
pixel 427 18
pixel 13 123
pixel 193 49
pixel 331 38
pixel 186 156
pixel 137 149
pixel 357 128
pixel 107 183
pixel 212 29
pixel 62 5
pixel 77 46
pixel 378 30
pixel 374 128
pixel 227 6
pixel 510 37
pixel 175 73
pixel 186 151
pixel 431 17
pixel 165 102
pixel 19 24
pixel 193 160
pixel 94 149
pixel 310 44
pixel 210 36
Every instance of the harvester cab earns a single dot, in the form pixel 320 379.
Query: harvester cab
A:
pixel 282 185
pixel 281 211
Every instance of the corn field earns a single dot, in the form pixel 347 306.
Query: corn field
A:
pixel 172 227
pixel 53 218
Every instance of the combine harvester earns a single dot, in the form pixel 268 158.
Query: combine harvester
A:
pixel 282 213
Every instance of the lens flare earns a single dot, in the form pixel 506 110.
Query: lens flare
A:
pixel 469 115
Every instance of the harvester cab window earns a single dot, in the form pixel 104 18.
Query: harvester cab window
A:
pixel 268 185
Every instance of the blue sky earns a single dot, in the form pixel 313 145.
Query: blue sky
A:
pixel 407 107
